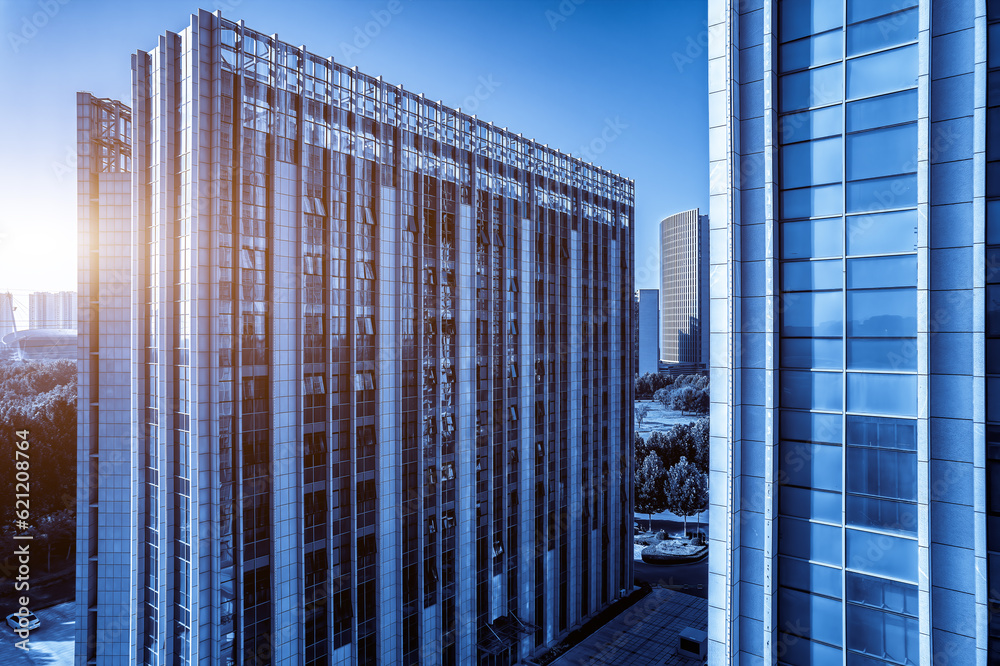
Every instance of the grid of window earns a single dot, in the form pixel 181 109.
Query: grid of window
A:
pixel 993 323
pixel 847 105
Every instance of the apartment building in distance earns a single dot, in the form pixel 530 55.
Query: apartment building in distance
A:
pixel 684 290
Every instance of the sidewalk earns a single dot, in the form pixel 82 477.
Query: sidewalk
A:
pixel 644 635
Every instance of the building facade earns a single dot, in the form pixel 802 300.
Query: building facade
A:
pixel 52 309
pixel 105 578
pixel 648 343
pixel 853 311
pixel 381 369
pixel 684 288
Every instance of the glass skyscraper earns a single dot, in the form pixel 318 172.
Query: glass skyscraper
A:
pixel 684 288
pixel 381 371
pixel 851 504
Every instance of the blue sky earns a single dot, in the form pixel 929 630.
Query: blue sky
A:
pixel 564 72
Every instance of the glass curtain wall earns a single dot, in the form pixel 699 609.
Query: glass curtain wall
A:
pixel 847 173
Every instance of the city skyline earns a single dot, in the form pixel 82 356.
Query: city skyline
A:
pixel 600 101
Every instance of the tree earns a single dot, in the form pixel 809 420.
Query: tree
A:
pixel 649 487
pixel 643 388
pixel 685 490
pixel 641 411
pixel 700 443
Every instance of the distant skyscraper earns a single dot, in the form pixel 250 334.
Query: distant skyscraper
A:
pixel 8 323
pixel 855 460
pixel 381 366
pixel 105 580
pixel 649 331
pixel 684 288
pixel 52 309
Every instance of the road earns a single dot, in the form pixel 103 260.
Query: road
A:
pixel 50 645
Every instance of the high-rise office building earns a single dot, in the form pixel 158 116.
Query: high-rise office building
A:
pixel 852 484
pixel 381 365
pixel 649 331
pixel 52 309
pixel 8 324
pixel 684 288
pixel 106 534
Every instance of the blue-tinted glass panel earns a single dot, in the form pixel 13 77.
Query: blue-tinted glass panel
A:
pixel 898 354
pixel 883 432
pixel 811 390
pixel 810 541
pixel 797 650
pixel 810 504
pixel 869 393
pixel 812 616
pixel 820 353
pixel 992 309
pixel 993 357
pixel 810 465
pixel 993 399
pixel 883 635
pixel 993 265
pixel 882 514
pixel 882 594
pixel 810 427
pixel 882 33
pixel 882 555
pixel 812 314
pixel 813 238
pixel 884 72
pixel 884 272
pixel 809 17
pixel 882 111
pixel 993 45
pixel 811 163
pixel 812 202
pixel 815 124
pixel 882 152
pixel 811 51
pixel 802 575
pixel 889 313
pixel 815 87
pixel 882 194
pixel 859 10
pixel 812 275
pixel 887 473
pixel 882 233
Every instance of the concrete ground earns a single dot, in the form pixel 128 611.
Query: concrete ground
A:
pixel 644 635
pixel 51 644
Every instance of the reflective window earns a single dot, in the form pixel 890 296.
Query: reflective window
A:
pixel 812 201
pixel 810 465
pixel 882 111
pixel 882 554
pixel 812 314
pixel 802 575
pixel 882 354
pixel 882 72
pixel 886 473
pixel 823 353
pixel 811 163
pixel 815 87
pixel 859 10
pixel 810 541
pixel 883 32
pixel 876 272
pixel 881 514
pixel 810 427
pixel 812 275
pixel 882 233
pixel 810 17
pixel 814 124
pixel 882 194
pixel 882 152
pixel 811 390
pixel 812 616
pixel 883 635
pixel 882 313
pixel 799 650
pixel 811 51
pixel 895 395
pixel 882 594
pixel 811 504
pixel 813 238
pixel 882 432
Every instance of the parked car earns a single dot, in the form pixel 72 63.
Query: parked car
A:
pixel 14 621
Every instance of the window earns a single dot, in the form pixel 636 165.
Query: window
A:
pixel 882 33
pixel 882 233
pixel 812 202
pixel 816 466
pixel 811 163
pixel 883 72
pixel 815 87
pixel 811 390
pixel 809 541
pixel 882 554
pixel 812 314
pixel 813 238
pixel 809 17
pixel 811 51
pixel 882 152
